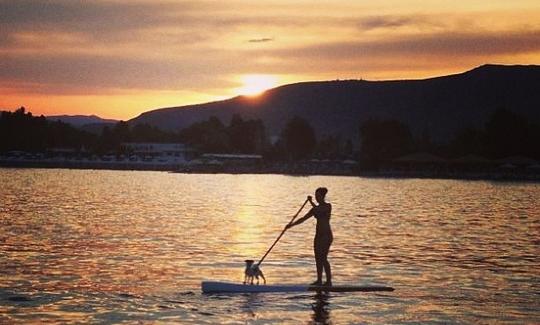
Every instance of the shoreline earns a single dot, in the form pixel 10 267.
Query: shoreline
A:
pixel 522 175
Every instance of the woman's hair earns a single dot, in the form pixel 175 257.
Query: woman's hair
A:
pixel 322 191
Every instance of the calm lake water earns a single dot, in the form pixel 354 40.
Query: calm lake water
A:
pixel 127 246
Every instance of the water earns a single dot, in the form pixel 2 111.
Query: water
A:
pixel 126 246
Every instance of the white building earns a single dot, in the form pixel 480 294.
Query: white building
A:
pixel 162 151
pixel 237 159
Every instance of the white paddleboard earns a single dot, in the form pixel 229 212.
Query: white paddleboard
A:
pixel 228 287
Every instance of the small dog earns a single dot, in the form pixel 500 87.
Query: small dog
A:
pixel 252 271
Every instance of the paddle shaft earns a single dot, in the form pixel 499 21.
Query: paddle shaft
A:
pixel 282 232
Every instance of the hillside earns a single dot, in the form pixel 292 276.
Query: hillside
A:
pixel 80 120
pixel 441 105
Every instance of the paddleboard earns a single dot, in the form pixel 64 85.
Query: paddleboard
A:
pixel 228 287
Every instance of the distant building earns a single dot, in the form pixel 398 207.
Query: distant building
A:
pixel 177 151
pixel 61 152
pixel 420 158
pixel 237 159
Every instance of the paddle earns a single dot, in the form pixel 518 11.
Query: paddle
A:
pixel 282 232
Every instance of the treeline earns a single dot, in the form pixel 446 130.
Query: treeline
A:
pixel 20 130
pixel 296 141
pixel 111 138
pixel 240 136
pixel 504 134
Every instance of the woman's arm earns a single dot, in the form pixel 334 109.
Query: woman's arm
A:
pixel 310 199
pixel 299 221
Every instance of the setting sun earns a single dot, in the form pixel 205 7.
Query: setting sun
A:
pixel 255 84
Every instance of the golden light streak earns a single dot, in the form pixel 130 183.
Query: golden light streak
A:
pixel 256 84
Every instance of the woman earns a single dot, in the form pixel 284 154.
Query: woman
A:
pixel 323 234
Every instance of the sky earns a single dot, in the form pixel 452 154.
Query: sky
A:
pixel 117 59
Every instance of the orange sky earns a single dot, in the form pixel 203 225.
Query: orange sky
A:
pixel 118 58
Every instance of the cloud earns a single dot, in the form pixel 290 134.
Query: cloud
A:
pixel 407 47
pixel 101 21
pixel 384 22
pixel 261 40
pixel 213 68
pixel 397 21
pixel 76 46
pixel 86 73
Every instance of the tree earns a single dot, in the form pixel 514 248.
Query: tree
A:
pixel 329 147
pixel 468 141
pixel 383 140
pixel 298 138
pixel 19 130
pixel 348 148
pixel 111 139
pixel 246 136
pixel 147 133
pixel 424 143
pixel 206 136
pixel 508 134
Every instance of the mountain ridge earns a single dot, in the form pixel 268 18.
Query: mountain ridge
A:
pixel 442 105
pixel 80 120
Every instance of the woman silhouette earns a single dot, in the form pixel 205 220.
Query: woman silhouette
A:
pixel 323 234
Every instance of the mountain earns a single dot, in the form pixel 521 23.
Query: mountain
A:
pixel 80 120
pixel 441 106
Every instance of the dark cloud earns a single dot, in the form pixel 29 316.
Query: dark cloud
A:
pixel 177 45
pixel 392 21
pixel 401 56
pixel 87 73
pixel 84 73
pixel 261 40
pixel 98 20
pixel 115 21
pixel 77 15
pixel 442 45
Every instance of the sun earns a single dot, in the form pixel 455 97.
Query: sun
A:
pixel 256 84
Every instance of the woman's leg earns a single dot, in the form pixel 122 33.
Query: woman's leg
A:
pixel 328 272
pixel 326 264
pixel 319 261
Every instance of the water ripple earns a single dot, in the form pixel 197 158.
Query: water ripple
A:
pixel 120 246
